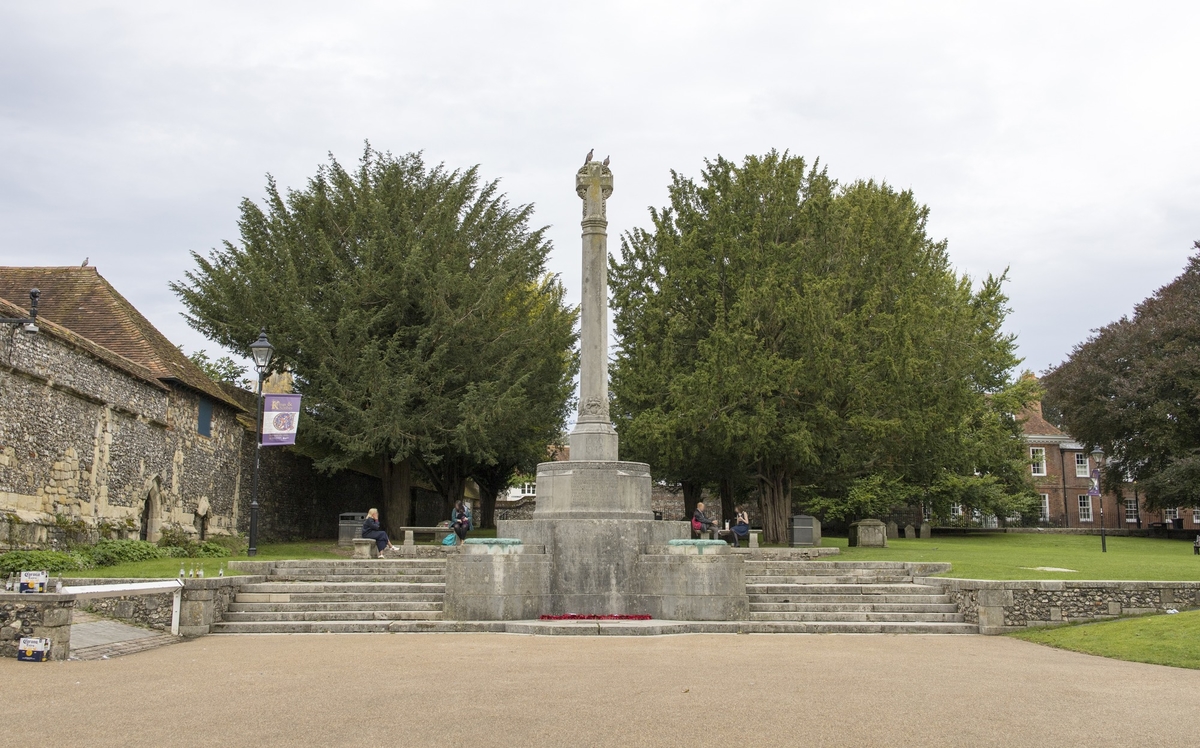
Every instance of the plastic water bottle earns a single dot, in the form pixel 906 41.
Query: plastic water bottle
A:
pixel 221 571
pixel 200 574
pixel 181 572
pixel 58 586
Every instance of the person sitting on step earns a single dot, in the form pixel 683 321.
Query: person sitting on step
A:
pixel 372 530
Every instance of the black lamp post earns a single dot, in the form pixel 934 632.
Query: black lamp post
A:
pixel 28 324
pixel 261 350
pixel 1096 455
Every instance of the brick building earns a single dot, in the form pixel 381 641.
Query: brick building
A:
pixel 1062 469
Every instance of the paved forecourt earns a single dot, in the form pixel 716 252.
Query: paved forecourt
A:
pixel 689 690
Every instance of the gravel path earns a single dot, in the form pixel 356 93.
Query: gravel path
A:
pixel 514 691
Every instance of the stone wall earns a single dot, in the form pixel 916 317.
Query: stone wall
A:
pixel 86 447
pixel 1002 606
pixel 520 509
pixel 42 615
pixel 294 500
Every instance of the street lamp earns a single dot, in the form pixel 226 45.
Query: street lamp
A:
pixel 261 350
pixel 1095 491
pixel 28 324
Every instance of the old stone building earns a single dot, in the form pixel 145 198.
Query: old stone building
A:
pixel 107 428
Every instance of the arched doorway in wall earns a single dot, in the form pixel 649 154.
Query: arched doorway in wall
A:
pixel 151 515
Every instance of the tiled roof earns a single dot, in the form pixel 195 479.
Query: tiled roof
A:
pixel 46 327
pixel 1033 424
pixel 79 299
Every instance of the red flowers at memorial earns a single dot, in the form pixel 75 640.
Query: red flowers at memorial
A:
pixel 593 617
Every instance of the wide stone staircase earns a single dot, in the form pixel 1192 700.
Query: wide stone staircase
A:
pixel 341 597
pixel 852 597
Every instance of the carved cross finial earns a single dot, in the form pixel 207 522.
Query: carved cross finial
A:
pixel 594 185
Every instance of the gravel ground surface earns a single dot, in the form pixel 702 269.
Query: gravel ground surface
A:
pixel 687 690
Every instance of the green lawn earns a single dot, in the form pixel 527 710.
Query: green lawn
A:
pixel 169 567
pixel 1158 639
pixel 1016 556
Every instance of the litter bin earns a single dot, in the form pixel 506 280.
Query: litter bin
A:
pixel 657 514
pixel 1177 523
pixel 350 527
pixel 805 531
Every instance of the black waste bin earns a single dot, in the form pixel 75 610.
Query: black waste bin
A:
pixel 1177 523
pixel 350 527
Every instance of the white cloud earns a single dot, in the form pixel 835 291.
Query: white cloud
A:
pixel 1057 140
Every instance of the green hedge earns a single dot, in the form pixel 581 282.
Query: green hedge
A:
pixel 14 562
pixel 113 552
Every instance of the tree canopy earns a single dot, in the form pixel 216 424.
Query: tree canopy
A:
pixel 773 324
pixel 1133 389
pixel 413 306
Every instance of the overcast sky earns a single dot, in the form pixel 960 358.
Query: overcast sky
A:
pixel 1058 140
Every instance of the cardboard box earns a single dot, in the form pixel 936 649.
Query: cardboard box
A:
pixel 34 581
pixel 33 649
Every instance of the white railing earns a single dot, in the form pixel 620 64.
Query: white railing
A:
pixel 175 586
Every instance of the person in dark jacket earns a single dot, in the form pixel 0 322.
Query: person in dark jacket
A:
pixel 700 521
pixel 372 530
pixel 460 520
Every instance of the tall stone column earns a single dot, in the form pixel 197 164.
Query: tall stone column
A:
pixel 594 438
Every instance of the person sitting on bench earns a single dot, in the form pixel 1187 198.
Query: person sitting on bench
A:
pixel 741 525
pixel 700 521
pixel 372 530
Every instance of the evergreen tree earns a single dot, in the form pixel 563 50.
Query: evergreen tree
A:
pixel 413 307
pixel 814 337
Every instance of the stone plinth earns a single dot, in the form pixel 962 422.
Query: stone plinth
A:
pixel 577 489
pixel 594 561
pixel 868 533
pixel 496 582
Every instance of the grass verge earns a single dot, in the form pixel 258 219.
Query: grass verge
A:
pixel 1172 640
pixel 1019 556
pixel 169 567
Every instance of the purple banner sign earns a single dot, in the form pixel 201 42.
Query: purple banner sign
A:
pixel 281 415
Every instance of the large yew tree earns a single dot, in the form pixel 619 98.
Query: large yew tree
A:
pixel 1133 389
pixel 811 336
pixel 413 305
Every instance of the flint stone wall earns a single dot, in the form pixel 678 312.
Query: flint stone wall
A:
pixel 998 607
pixel 42 615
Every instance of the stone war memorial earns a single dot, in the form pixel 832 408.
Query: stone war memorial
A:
pixel 593 546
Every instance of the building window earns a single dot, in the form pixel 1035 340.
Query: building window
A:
pixel 1131 513
pixel 204 418
pixel 1082 468
pixel 927 513
pixel 1170 514
pixel 1037 457
pixel 1085 508
pixel 1044 512
pixel 955 511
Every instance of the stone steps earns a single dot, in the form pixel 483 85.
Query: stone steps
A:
pixel 828 579
pixel 406 578
pixel 824 600
pixel 333 615
pixel 866 588
pixel 852 607
pixel 857 616
pixel 847 597
pixel 340 596
pixel 292 607
pixel 354 627
pixel 312 588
